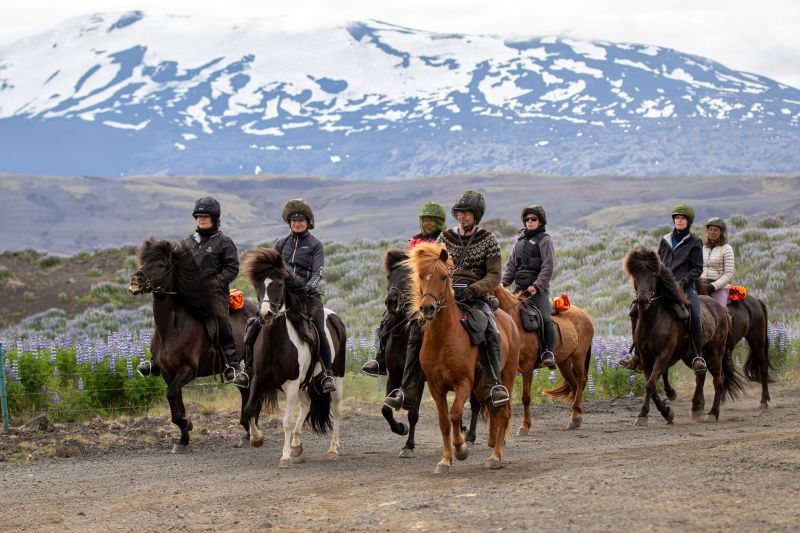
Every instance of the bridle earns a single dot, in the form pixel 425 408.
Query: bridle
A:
pixel 274 309
pixel 439 301
pixel 148 285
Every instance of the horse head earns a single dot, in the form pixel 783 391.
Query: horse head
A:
pixel 644 267
pixel 267 272
pixel 156 268
pixel 430 282
pixel 398 280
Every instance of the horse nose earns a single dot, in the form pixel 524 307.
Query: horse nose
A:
pixel 427 311
pixel 392 303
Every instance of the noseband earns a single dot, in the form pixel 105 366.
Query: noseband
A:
pixel 149 286
pixel 274 309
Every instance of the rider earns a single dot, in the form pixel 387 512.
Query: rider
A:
pixel 530 266
pixel 476 258
pixel 718 261
pixel 682 252
pixel 431 224
pixel 213 250
pixel 305 256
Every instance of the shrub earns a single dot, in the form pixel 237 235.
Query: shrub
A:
pixel 50 261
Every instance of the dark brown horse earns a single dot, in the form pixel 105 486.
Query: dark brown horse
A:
pixel 449 359
pixel 283 360
pixel 398 279
pixel 183 302
pixel 661 336
pixel 573 352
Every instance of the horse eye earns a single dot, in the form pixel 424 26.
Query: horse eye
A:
pixel 444 277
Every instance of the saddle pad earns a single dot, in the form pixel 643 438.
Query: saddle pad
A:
pixel 475 322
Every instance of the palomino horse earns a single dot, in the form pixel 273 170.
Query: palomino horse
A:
pixel 398 278
pixel 449 359
pixel 282 360
pixel 183 301
pixel 661 337
pixel 573 350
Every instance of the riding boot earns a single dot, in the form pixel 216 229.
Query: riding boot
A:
pixel 496 393
pixel 228 345
pixel 328 382
pixel 252 329
pixel 632 361
pixel 542 302
pixel 377 367
pixel 696 332
pixel 407 395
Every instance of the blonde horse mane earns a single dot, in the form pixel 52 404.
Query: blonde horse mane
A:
pixel 424 258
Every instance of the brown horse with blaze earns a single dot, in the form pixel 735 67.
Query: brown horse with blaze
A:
pixel 449 359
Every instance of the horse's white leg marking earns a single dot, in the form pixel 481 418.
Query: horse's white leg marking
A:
pixel 292 391
pixel 256 437
pixel 336 396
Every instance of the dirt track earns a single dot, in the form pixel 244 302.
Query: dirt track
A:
pixel 742 473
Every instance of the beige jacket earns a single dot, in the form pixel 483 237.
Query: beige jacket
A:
pixel 718 265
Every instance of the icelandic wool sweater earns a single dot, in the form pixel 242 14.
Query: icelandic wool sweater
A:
pixel 480 264
pixel 718 265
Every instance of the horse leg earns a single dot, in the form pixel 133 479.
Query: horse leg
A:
pixel 652 377
pixel 698 400
pixel 475 410
pixel 499 420
pixel 440 398
pixel 388 413
pixel 758 350
pixel 177 409
pixel 243 420
pixel 668 390
pixel 463 391
pixel 413 417
pixel 292 391
pixel 297 433
pixel 336 408
pixel 715 369
pixel 580 379
pixel 525 427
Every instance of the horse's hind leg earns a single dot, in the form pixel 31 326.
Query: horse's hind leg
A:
pixel 413 417
pixel 715 369
pixel 336 412
pixel 525 427
pixel 668 390
pixel 475 410
pixel 580 378
pixel 243 420
pixel 177 408
pixel 698 399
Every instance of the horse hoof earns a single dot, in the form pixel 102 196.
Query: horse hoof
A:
pixel 575 423
pixel 671 395
pixel 470 444
pixel 256 442
pixel 297 451
pixel 670 416
pixel 243 442
pixel 492 463
pixel 406 453
pixel 709 419
pixel 285 463
pixel 641 421
pixel 461 452
pixel 442 468
pixel 763 405
pixel 179 448
pixel 523 432
pixel 333 456
pixel 697 415
pixel 189 425
pixel 403 430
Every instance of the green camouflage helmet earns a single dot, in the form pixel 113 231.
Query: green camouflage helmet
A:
pixel 685 210
pixel 718 222
pixel 435 211
pixel 470 201
pixel 535 210
pixel 298 206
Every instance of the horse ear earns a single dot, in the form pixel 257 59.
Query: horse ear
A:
pixel 443 255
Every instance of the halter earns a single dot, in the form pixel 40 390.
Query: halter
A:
pixel 148 284
pixel 401 301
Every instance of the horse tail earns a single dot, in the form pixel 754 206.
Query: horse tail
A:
pixel 752 367
pixel 732 383
pixel 588 359
pixel 563 390
pixel 319 415
pixel 269 399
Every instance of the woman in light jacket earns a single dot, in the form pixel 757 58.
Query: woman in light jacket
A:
pixel 718 262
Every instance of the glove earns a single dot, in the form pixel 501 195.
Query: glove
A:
pixel 682 283
pixel 464 293
pixel 711 288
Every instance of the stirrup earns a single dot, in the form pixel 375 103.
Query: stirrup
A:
pixel 149 369
pixel 552 365
pixel 327 379
pixel 241 380
pixel 395 399
pixel 702 361
pixel 502 388
pixel 225 372
pixel 370 371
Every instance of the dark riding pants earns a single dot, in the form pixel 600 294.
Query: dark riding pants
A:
pixel 541 301
pixel 226 341
pixel 411 369
pixel 317 312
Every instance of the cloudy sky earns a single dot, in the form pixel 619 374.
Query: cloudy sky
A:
pixel 760 37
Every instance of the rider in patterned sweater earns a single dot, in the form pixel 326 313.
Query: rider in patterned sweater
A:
pixel 431 224
pixel 477 266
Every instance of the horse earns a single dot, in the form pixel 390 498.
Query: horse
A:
pixel 282 360
pixel 449 359
pixel 573 351
pixel 661 337
pixel 398 278
pixel 183 303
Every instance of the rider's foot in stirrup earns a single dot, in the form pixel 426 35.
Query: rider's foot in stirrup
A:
pixel 145 369
pixel 498 395
pixel 699 364
pixel 242 380
pixel 631 361
pixel 229 373
pixel 395 399
pixel 373 368
pixel 328 383
pixel 548 359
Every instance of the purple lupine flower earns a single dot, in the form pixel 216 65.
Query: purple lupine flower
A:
pixel 80 383
pixel 56 399
pixel 55 372
pixel 552 377
pixel 631 377
pixel 590 385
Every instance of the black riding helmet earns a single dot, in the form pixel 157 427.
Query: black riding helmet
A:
pixel 535 210
pixel 470 201
pixel 207 206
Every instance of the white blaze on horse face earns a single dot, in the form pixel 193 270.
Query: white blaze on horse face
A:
pixel 265 307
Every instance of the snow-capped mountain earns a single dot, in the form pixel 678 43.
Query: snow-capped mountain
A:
pixel 120 94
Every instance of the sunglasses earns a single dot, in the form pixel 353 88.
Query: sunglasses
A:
pixel 531 219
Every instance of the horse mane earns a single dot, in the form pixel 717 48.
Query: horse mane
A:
pixel 261 263
pixel 640 259
pixel 195 286
pixel 394 256
pixel 424 257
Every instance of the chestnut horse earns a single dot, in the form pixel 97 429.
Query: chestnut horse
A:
pixel 449 359
pixel 282 360
pixel 661 337
pixel 398 279
pixel 183 301
pixel 573 351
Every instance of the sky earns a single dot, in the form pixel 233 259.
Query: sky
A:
pixel 754 36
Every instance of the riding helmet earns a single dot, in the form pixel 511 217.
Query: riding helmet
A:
pixel 207 206
pixel 685 210
pixel 298 206
pixel 435 211
pixel 718 222
pixel 470 201
pixel 535 210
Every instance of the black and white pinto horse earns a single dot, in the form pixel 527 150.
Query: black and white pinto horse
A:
pixel 283 360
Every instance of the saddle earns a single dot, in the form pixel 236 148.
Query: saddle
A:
pixel 475 322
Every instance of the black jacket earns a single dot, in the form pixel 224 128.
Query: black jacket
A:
pixel 305 256
pixel 685 261
pixel 216 251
